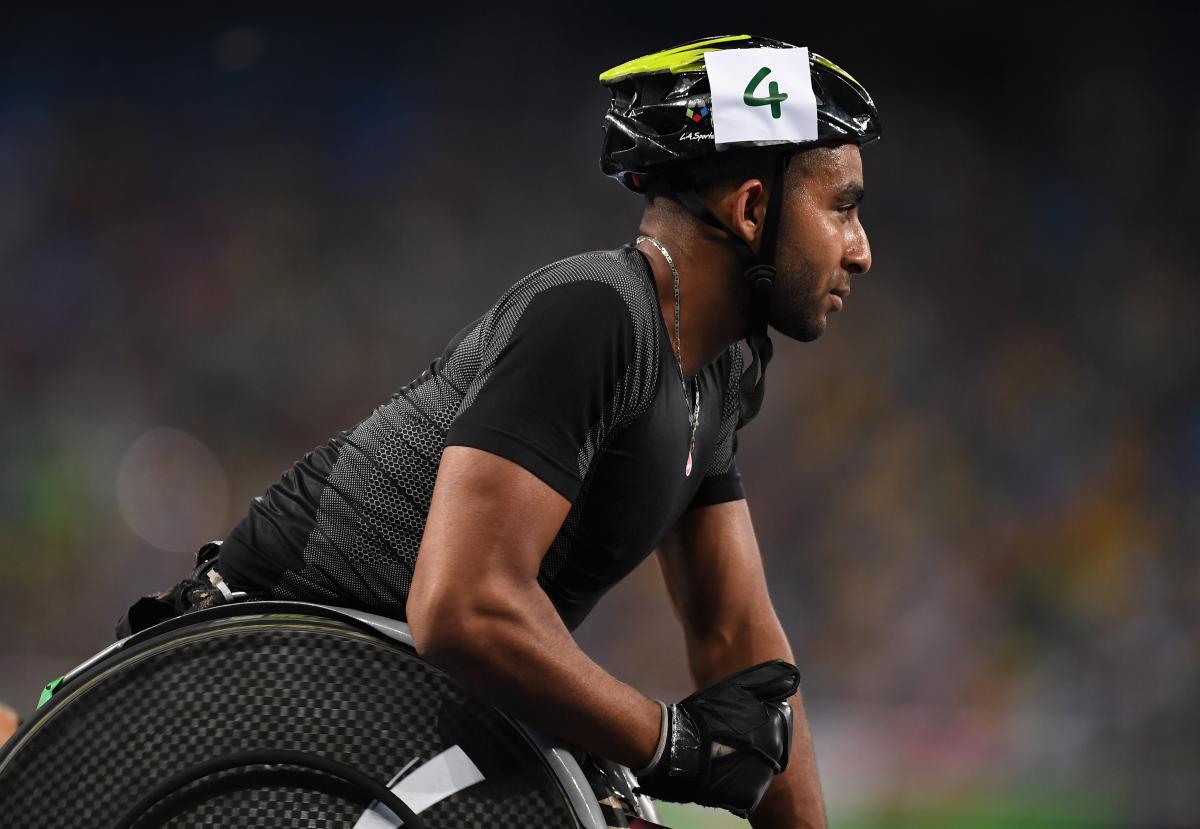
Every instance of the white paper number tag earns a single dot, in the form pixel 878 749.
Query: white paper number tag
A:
pixel 761 95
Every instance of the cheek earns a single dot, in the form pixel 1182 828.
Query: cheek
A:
pixel 838 235
pixel 818 234
pixel 817 253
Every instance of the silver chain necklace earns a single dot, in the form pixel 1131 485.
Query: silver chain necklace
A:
pixel 694 414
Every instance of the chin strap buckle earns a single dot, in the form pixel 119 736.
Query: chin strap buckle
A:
pixel 762 280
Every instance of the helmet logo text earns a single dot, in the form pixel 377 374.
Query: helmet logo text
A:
pixel 774 97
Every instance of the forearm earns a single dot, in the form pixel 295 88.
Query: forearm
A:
pixel 514 652
pixel 794 799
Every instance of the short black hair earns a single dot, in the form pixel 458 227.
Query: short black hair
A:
pixel 732 166
pixel 729 167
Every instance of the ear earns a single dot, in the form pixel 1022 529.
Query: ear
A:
pixel 746 210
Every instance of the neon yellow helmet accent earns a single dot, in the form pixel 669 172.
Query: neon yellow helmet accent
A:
pixel 685 58
pixel 828 64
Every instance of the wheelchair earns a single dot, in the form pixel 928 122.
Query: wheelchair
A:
pixel 290 714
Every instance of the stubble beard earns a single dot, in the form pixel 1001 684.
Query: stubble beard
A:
pixel 795 311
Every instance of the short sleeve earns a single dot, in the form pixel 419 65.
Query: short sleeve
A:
pixel 554 378
pixel 723 482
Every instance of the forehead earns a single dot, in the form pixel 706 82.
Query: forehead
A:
pixel 828 167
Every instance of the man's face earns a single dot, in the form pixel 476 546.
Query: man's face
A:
pixel 821 240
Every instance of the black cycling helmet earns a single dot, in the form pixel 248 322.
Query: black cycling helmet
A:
pixel 660 116
pixel 659 124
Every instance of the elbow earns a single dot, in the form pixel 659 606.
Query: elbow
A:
pixel 438 626
pixel 454 632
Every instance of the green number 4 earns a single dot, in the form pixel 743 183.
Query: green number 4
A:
pixel 774 96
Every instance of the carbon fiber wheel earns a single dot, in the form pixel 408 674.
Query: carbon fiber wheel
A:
pixel 251 679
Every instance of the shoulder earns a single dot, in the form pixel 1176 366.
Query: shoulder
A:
pixel 603 295
pixel 615 280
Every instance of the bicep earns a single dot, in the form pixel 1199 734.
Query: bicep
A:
pixel 490 523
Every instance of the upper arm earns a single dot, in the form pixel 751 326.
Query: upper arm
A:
pixel 714 575
pixel 552 380
pixel 490 523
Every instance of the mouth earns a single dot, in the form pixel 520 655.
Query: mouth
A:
pixel 839 296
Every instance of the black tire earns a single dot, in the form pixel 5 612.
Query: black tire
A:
pixel 257 677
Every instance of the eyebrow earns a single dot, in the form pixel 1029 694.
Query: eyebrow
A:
pixel 852 192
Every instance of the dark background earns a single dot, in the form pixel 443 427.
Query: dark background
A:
pixel 225 238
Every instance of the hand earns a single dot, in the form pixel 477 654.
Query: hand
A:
pixel 724 744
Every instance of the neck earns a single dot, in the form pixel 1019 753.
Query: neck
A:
pixel 711 298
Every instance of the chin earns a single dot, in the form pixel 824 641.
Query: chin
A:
pixel 801 330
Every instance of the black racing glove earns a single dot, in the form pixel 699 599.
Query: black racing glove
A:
pixel 724 744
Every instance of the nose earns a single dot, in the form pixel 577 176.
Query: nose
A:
pixel 857 258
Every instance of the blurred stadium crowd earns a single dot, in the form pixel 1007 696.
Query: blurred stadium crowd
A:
pixel 978 495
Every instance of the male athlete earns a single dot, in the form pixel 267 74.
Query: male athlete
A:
pixel 589 418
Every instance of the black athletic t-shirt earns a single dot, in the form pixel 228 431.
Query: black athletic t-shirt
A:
pixel 571 375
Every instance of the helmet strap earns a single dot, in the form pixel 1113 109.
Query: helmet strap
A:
pixel 758 271
pixel 761 277
pixel 691 201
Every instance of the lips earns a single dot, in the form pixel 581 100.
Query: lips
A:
pixel 839 297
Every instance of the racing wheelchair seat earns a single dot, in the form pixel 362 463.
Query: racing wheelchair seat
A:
pixel 289 714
